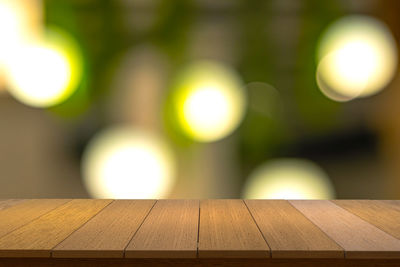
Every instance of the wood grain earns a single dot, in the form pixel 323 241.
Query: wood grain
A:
pixel 227 230
pixel 107 234
pixel 7 203
pixel 377 213
pixel 212 230
pixel 169 231
pixel 359 238
pixel 289 234
pixel 393 203
pixel 37 238
pixel 19 215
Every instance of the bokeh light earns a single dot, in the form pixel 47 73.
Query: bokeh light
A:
pixel 264 99
pixel 45 73
pixel 357 58
pixel 125 162
pixel 289 179
pixel 210 101
pixel 10 29
pixel 20 22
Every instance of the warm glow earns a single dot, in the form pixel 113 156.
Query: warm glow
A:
pixel 10 27
pixel 357 58
pixel 210 100
pixel 39 76
pixel 45 73
pixel 289 179
pixel 128 163
pixel 20 22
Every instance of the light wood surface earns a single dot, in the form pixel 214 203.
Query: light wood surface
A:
pixel 7 203
pixel 276 232
pixel 359 238
pixel 107 234
pixel 289 233
pixel 393 203
pixel 228 230
pixel 19 215
pixel 37 238
pixel 378 213
pixel 169 231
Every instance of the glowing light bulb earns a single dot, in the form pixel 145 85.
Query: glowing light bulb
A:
pixel 289 179
pixel 126 162
pixel 210 101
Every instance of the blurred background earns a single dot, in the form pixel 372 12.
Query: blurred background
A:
pixel 199 99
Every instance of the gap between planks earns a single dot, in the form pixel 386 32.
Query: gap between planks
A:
pixel 26 207
pixel 52 249
pixel 359 238
pixel 170 230
pixel 32 239
pixel 199 216
pixel 227 230
pixel 289 233
pixel 258 227
pixel 139 227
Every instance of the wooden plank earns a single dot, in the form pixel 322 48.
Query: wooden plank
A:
pixel 169 231
pixel 289 234
pixel 37 238
pixel 359 238
pixel 7 203
pixel 378 213
pixel 19 215
pixel 227 230
pixel 393 203
pixel 107 234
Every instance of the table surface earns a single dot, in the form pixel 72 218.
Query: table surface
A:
pixel 101 228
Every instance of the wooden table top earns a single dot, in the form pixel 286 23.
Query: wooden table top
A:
pixel 281 229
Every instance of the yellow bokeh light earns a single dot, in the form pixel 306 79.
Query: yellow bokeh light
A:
pixel 45 73
pixel 357 58
pixel 129 163
pixel 39 75
pixel 289 179
pixel 210 101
